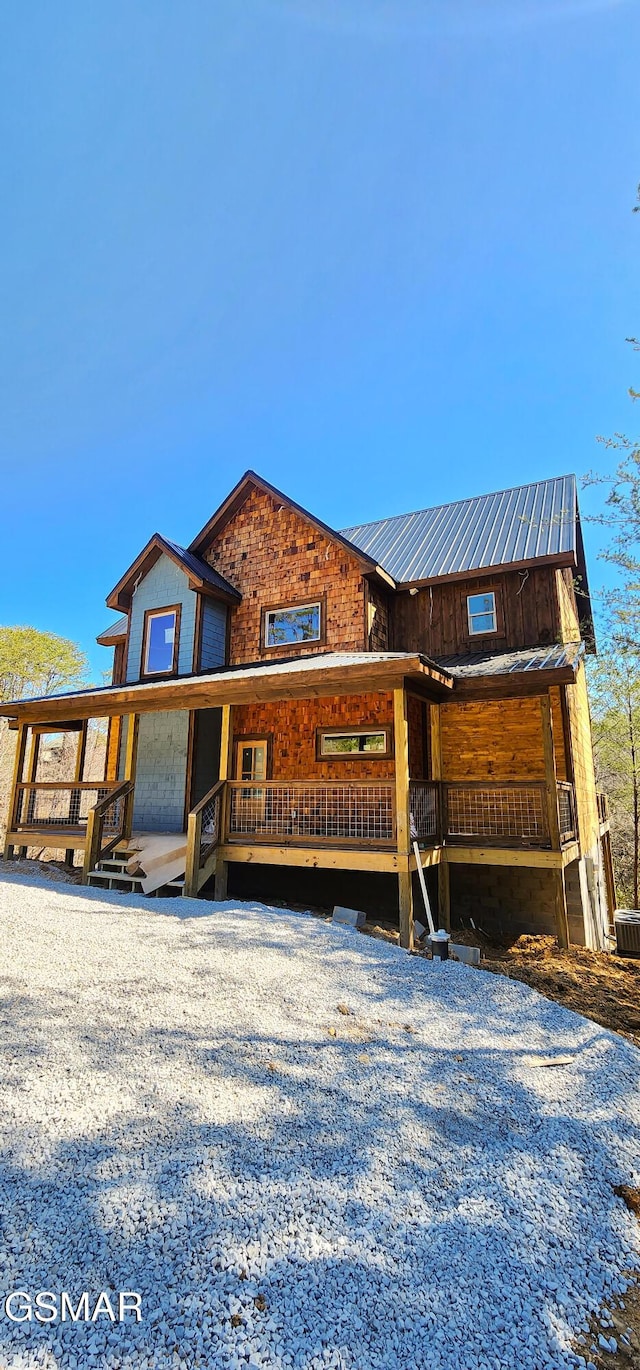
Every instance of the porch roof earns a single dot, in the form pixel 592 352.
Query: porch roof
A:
pixel 329 673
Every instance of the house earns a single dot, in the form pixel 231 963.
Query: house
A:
pixel 303 702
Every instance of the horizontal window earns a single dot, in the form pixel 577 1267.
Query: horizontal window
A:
pixel 481 610
pixel 300 623
pixel 161 642
pixel 361 742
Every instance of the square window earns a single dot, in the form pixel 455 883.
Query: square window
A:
pixel 161 642
pixel 481 611
pixel 300 623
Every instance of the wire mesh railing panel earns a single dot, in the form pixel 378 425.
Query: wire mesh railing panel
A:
pixel 63 806
pixel 423 804
pixel 348 812
pixel 514 812
pixel 210 830
pixel 566 819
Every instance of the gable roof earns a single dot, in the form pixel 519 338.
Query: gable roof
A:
pixel 201 575
pixel 510 527
pixel 252 481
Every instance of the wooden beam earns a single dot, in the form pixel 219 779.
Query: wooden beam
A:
pixel 436 743
pixel 405 904
pixel 560 903
pixel 32 775
pixel 81 752
pixel 131 748
pixel 310 857
pixel 444 896
pixel 112 756
pixel 233 687
pixel 18 767
pixel 225 772
pixel 504 856
pixel 551 778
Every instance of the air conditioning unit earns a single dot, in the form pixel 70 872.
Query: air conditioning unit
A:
pixel 627 926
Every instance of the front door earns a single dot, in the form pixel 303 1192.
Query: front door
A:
pixel 251 766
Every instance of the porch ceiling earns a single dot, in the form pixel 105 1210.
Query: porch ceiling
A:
pixel 331 673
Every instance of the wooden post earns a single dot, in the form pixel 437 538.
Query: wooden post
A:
pixel 32 773
pixel 225 773
pixel 403 832
pixel 131 750
pixel 112 756
pixel 560 893
pixel 444 895
pixel 81 753
pixel 18 767
pixel 130 760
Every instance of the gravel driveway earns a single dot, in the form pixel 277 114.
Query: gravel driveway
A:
pixel 187 1113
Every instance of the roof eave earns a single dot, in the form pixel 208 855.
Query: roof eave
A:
pixel 208 690
pixel 120 598
pixel 475 572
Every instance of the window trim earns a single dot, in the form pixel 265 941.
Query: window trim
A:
pixel 359 731
pixel 308 603
pixel 175 609
pixel 498 631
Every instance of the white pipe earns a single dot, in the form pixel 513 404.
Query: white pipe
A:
pixel 423 886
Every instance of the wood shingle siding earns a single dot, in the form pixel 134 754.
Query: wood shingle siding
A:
pixel 273 557
pixel 291 729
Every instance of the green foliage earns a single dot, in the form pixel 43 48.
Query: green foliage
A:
pixel 35 663
pixel 614 683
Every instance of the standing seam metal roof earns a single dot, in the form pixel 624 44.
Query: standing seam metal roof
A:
pixel 522 524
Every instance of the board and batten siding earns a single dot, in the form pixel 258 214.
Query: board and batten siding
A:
pixel 214 634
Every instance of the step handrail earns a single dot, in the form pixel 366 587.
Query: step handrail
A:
pixel 197 859
pixel 94 850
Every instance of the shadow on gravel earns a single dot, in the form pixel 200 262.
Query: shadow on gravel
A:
pixel 406 1181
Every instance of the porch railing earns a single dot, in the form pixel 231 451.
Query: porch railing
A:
pixel 603 807
pixel 61 804
pixel 108 823
pixel 496 812
pixel 204 833
pixel 424 805
pixel 566 811
pixel 311 810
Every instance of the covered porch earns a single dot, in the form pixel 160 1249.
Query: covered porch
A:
pixel 356 811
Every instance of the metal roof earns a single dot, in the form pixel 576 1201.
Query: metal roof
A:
pixel 531 521
pixel 552 658
pixel 118 629
pixel 201 568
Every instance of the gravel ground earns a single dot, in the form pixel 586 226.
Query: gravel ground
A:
pixel 301 1146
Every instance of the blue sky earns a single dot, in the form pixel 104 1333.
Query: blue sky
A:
pixel 381 252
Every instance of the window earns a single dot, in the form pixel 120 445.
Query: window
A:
pixel 161 637
pixel 481 611
pixel 362 742
pixel 298 623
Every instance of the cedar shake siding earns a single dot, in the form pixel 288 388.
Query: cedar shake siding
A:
pixel 275 558
pixel 290 729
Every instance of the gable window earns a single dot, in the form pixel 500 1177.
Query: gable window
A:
pixel 161 641
pixel 481 612
pixel 297 623
pixel 363 742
